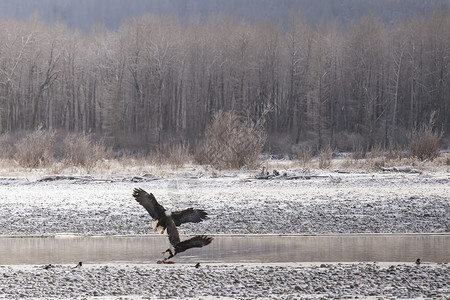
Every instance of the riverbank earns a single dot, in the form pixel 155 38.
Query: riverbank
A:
pixel 229 281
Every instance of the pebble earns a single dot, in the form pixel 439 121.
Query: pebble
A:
pixel 75 278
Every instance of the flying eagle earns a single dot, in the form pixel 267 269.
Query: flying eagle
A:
pixel 167 222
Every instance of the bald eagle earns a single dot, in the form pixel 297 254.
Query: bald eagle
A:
pixel 167 222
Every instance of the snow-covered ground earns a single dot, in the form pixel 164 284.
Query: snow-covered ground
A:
pixel 316 202
pixel 237 203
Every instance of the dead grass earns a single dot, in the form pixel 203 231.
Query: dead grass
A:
pixel 374 163
pixel 175 155
pixel 304 156
pixel 146 165
pixel 239 141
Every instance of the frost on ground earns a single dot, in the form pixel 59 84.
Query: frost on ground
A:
pixel 342 203
pixel 228 281
pixel 238 203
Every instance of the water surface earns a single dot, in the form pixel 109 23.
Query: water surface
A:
pixel 229 249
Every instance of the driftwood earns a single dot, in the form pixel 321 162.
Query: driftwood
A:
pixel 285 176
pixel 89 178
pixel 292 176
pixel 402 169
pixel 66 177
pixel 343 172
pixel 145 177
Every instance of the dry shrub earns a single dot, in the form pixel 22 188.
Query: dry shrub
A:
pixel 425 142
pixel 371 160
pixel 303 151
pixel 394 153
pixel 325 157
pixel 175 155
pixel 231 142
pixel 35 149
pixel 80 150
pixel 375 158
pixel 358 152
pixel 347 141
pixel 304 155
pixel 375 152
pixel 280 143
pixel 348 162
pixel 6 146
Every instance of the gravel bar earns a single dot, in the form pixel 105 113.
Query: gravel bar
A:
pixel 229 281
pixel 356 203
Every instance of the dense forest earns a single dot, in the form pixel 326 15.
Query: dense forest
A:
pixel 156 80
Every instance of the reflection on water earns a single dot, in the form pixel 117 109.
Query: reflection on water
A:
pixel 229 249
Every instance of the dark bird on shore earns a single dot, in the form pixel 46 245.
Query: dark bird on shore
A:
pixel 161 216
pixel 47 267
pixel 78 265
pixel 166 221
pixel 197 265
pixel 418 261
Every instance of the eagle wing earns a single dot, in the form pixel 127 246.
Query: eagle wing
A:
pixel 189 215
pixel 194 242
pixel 172 232
pixel 148 201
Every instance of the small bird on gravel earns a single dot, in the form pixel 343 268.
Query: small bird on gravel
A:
pixel 78 265
pixel 418 261
pixel 197 265
pixel 47 267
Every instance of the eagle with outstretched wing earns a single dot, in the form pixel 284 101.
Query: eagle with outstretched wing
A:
pixel 160 215
pixel 168 222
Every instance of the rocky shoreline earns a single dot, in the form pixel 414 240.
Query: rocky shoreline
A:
pixel 325 281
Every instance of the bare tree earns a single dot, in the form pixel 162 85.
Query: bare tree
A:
pixel 156 81
pixel 13 47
